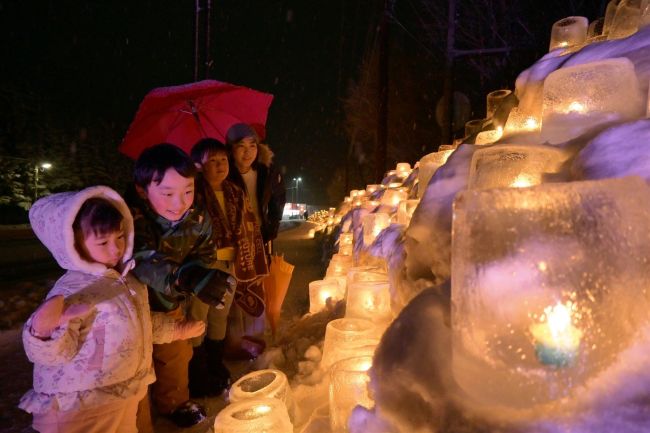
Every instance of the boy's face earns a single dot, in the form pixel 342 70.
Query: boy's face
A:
pixel 244 153
pixel 215 167
pixel 107 249
pixel 172 197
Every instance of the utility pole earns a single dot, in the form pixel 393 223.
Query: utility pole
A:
pixel 382 112
pixel 202 38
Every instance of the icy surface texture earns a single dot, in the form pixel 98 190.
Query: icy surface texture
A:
pixel 578 98
pixel 529 84
pixel 503 166
pixel 253 416
pixel 620 151
pixel 568 32
pixel 519 251
pixel 428 166
pixel 626 20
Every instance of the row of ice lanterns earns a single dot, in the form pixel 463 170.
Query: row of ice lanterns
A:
pixel 564 97
pixel 350 342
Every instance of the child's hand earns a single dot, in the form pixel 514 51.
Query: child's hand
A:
pixel 189 329
pixel 52 314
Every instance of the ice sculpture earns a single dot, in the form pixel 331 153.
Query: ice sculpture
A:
pixel 262 384
pixel 393 196
pixel 428 166
pixel 579 98
pixel 346 243
pixel 322 290
pixel 346 338
pixel 489 137
pixel 549 285
pixel 267 415
pixel 348 388
pixel 473 126
pixel 503 166
pixel 568 32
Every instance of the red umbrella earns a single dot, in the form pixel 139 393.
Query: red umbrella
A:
pixel 184 114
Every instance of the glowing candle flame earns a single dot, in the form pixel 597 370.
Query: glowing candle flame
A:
pixel 557 339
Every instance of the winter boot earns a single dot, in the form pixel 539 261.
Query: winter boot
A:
pixel 218 374
pixel 198 372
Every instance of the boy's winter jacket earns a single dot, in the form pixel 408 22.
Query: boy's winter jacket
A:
pixel 175 258
pixel 105 355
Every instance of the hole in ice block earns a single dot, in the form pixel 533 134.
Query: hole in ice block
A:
pixel 262 384
pixel 255 415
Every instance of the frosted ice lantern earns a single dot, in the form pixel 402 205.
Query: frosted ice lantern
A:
pixel 347 338
pixel 494 100
pixel 504 166
pixel 340 263
pixel 578 98
pixel 428 166
pixel 626 20
pixel 373 224
pixel 369 300
pixel 322 290
pixel 392 197
pixel 489 137
pixel 518 251
pixel 346 243
pixel 405 211
pixel 519 121
pixel 568 32
pixel 348 388
pixel 267 415
pixel 262 384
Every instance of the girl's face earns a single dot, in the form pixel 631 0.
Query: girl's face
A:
pixel 215 168
pixel 107 248
pixel 244 153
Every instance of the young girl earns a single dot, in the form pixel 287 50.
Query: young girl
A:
pixel 91 340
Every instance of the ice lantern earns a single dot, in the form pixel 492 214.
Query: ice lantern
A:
pixel 494 100
pixel 322 290
pixel 578 98
pixel 348 388
pixel 392 197
pixel 405 211
pixel 346 243
pixel 347 338
pixel 568 32
pixel 373 224
pixel 267 415
pixel 262 384
pixel 429 164
pixel 504 166
pixel 549 286
pixel 369 300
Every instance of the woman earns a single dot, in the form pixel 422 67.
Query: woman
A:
pixel 253 171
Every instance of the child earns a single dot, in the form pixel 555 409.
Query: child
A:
pixel 91 340
pixel 175 255
pixel 239 241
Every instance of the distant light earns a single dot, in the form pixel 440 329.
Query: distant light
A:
pixel 300 179
pixel 46 166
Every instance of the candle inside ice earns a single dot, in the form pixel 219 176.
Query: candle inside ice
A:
pixel 556 339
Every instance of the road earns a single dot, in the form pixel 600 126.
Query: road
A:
pixel 294 242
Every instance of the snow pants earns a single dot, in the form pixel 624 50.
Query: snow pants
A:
pixel 116 417
pixel 170 361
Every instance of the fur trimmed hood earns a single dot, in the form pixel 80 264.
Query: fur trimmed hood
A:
pixel 264 155
pixel 52 217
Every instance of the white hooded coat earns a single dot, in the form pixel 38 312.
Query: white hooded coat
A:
pixel 105 355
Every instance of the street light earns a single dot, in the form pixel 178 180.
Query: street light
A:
pixel 297 180
pixel 44 166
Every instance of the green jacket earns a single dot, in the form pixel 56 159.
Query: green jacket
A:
pixel 161 247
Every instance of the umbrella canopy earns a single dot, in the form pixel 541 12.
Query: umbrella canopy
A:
pixel 182 115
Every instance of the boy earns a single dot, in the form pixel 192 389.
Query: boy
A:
pixel 239 242
pixel 175 255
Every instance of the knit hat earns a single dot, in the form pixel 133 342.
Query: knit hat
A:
pixel 238 132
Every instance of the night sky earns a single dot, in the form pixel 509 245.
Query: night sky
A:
pixel 83 67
